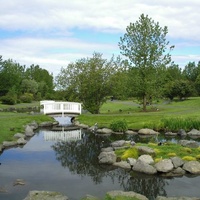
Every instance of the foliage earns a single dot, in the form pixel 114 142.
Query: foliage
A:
pixel 29 86
pixel 120 197
pixel 119 126
pixel 188 158
pixel 129 153
pixel 88 80
pixel 26 98
pixel 9 100
pixel 145 45
pixel 174 124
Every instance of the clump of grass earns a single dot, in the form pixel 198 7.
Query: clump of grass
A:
pixel 156 160
pixel 174 124
pixel 119 125
pixel 188 150
pixel 130 153
pixel 198 157
pixel 171 154
pixel 189 158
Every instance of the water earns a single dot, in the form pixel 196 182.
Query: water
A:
pixel 71 167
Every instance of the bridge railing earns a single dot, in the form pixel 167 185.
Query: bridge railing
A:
pixel 50 107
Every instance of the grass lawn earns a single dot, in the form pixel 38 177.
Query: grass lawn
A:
pixel 136 119
pixel 11 122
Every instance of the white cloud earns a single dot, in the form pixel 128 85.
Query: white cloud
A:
pixel 42 31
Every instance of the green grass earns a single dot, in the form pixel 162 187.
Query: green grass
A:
pixel 164 151
pixel 12 122
pixel 136 119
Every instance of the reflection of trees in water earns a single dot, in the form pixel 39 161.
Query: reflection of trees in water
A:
pixel 81 157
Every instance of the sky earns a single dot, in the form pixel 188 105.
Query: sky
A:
pixel 54 33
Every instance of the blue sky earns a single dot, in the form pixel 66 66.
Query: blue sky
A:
pixel 53 33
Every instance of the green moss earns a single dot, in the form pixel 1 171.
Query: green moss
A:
pixel 188 158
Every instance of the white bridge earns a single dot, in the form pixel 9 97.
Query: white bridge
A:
pixel 72 135
pixel 56 107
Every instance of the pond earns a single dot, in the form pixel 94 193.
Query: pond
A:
pixel 67 162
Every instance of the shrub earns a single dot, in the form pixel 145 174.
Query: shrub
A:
pixel 26 98
pixel 9 100
pixel 130 153
pixel 188 150
pixel 119 126
pixel 189 158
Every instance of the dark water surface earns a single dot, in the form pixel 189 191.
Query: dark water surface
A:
pixel 70 166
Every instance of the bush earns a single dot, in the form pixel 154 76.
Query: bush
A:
pixel 9 100
pixel 26 98
pixel 119 126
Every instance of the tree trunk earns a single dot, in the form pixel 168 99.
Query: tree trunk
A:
pixel 145 103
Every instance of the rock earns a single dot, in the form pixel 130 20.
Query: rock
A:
pixel 192 167
pixel 45 195
pixel 131 161
pixel 147 131
pixel 181 132
pixel 122 164
pixel 147 159
pixel 145 150
pixel 19 135
pixel 104 131
pixel 130 132
pixel 7 144
pixel 177 162
pixel 170 134
pixel 118 143
pixel 1 147
pixel 164 165
pixel 107 157
pixel 143 167
pixel 33 125
pixel 46 124
pixel 21 141
pixel 175 172
pixel 29 131
pixel 134 195
pixel 194 132
pixel 107 149
pixel 19 182
pixel 176 198
pixel 189 143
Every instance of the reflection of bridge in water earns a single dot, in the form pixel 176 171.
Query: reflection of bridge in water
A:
pixel 71 135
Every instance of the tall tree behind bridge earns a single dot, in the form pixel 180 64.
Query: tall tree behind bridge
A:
pixel 147 50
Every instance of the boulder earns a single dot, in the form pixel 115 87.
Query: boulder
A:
pixel 131 161
pixel 177 162
pixel 21 141
pixel 145 150
pixel 104 131
pixel 181 132
pixel 114 194
pixel 19 135
pixel 122 164
pixel 118 143
pixel 175 172
pixel 194 132
pixel 89 197
pixel 147 131
pixel 170 134
pixel 107 149
pixel 143 167
pixel 7 144
pixel 147 159
pixel 192 167
pixel 189 143
pixel 130 132
pixel 33 125
pixel 44 195
pixel 164 165
pixel 1 147
pixel 29 131
pixel 107 157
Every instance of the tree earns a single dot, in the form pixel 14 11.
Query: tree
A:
pixel 88 81
pixel 146 47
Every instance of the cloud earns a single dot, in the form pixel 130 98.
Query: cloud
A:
pixel 51 33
